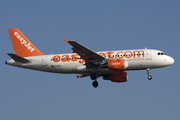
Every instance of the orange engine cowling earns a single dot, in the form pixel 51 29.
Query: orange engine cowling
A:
pixel 118 64
pixel 117 77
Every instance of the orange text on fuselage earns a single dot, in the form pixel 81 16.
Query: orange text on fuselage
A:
pixel 109 54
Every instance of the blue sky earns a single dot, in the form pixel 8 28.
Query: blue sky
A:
pixel 99 25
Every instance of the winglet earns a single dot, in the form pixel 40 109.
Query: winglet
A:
pixel 66 40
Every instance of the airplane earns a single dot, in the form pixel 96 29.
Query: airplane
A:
pixel 110 65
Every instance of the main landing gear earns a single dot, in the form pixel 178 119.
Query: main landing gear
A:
pixel 148 72
pixel 95 84
pixel 94 77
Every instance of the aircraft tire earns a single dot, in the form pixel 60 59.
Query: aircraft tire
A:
pixel 95 84
pixel 149 77
pixel 93 76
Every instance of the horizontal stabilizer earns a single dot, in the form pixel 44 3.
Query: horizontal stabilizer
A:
pixel 18 58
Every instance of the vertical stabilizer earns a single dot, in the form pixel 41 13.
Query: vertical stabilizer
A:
pixel 22 46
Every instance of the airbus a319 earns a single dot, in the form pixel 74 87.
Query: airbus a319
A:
pixel 110 65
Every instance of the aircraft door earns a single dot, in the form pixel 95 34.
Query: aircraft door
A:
pixel 44 64
pixel 44 61
pixel 148 54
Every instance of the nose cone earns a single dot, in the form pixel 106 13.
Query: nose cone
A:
pixel 171 60
pixel 164 61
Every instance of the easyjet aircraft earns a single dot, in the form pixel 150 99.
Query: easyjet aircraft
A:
pixel 111 65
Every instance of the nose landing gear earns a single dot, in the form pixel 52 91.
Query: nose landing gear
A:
pixel 148 72
pixel 149 77
pixel 94 77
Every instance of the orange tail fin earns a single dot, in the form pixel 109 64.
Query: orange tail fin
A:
pixel 22 46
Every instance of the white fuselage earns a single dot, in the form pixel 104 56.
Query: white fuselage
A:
pixel 111 65
pixel 71 63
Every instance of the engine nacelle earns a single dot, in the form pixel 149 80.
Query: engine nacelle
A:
pixel 117 77
pixel 118 64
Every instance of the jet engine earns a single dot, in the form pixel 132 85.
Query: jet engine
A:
pixel 117 77
pixel 118 64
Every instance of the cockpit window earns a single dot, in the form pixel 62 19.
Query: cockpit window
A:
pixel 161 53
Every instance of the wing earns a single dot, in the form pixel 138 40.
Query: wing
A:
pixel 88 55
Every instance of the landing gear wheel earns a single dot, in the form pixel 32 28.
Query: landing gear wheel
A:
pixel 95 84
pixel 93 76
pixel 149 77
pixel 148 72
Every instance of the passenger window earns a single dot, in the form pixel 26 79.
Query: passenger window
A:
pixel 159 53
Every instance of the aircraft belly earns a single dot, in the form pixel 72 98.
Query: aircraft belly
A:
pixel 143 64
pixel 62 68
pixel 139 64
pixel 132 65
